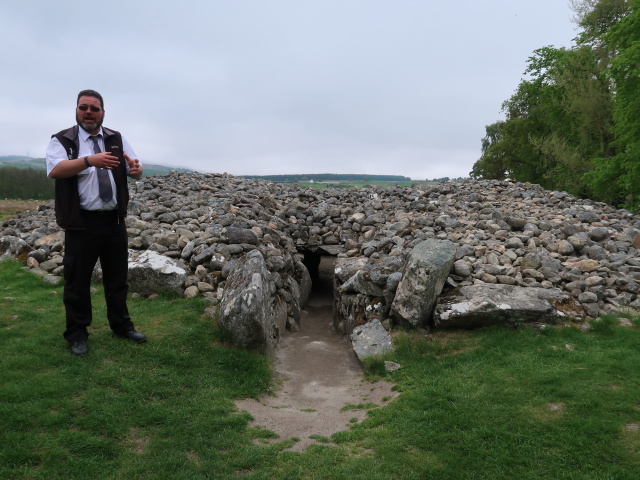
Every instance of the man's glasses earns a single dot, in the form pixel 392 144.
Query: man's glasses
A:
pixel 84 108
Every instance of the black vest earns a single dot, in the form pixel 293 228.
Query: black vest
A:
pixel 67 198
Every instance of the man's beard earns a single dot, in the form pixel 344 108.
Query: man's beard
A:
pixel 96 125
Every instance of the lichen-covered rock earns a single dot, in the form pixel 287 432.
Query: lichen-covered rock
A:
pixel 150 272
pixel 13 247
pixel 246 311
pixel 371 339
pixel 424 275
pixel 485 305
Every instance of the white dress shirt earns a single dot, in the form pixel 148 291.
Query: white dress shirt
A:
pixel 87 178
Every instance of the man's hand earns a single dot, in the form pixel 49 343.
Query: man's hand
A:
pixel 135 169
pixel 104 160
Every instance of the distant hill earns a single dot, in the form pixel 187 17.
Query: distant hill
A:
pixel 16 161
pixel 329 177
pixel 14 158
pixel 22 162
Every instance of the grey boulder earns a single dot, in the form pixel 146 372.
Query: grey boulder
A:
pixel 425 274
pixel 246 312
pixel 371 339
pixel 484 305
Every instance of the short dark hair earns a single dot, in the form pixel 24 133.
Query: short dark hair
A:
pixel 91 93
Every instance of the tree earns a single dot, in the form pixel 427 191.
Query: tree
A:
pixel 617 178
pixel 558 118
pixel 596 17
pixel 25 183
pixel 491 164
pixel 572 123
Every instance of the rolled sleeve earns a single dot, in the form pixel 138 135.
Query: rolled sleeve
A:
pixel 55 154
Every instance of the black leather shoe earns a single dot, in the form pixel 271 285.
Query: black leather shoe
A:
pixel 134 336
pixel 79 348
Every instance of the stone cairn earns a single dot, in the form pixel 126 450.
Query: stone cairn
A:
pixel 457 254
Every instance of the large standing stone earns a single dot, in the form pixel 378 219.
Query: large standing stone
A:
pixel 246 310
pixel 484 305
pixel 425 274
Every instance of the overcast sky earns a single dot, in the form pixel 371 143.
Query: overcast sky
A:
pixel 402 87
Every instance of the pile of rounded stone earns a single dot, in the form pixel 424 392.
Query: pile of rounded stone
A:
pixel 505 232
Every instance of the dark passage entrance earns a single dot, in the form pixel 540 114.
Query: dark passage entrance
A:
pixel 321 269
pixel 311 260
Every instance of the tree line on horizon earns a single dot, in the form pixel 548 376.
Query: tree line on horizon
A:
pixel 25 183
pixel 328 177
pixel 25 178
pixel 573 123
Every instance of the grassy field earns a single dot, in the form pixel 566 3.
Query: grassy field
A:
pixel 485 404
pixel 11 208
pixel 367 184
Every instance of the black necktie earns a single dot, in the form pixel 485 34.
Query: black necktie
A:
pixel 104 182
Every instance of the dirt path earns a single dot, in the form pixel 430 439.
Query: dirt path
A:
pixel 319 375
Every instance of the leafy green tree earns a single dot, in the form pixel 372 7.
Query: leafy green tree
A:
pixel 596 17
pixel 575 105
pixel 491 164
pixel 616 178
pixel 576 111
pixel 25 183
pixel 555 121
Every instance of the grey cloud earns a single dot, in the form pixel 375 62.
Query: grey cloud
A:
pixel 247 86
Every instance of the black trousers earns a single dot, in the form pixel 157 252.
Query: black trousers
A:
pixel 105 238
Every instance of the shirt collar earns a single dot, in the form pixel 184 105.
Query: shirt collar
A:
pixel 84 135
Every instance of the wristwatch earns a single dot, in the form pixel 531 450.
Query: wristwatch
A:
pixel 86 162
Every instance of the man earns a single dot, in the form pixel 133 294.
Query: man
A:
pixel 90 164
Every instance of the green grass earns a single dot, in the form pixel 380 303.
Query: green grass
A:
pixel 487 404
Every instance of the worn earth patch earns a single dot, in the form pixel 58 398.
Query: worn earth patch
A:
pixel 11 208
pixel 322 389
